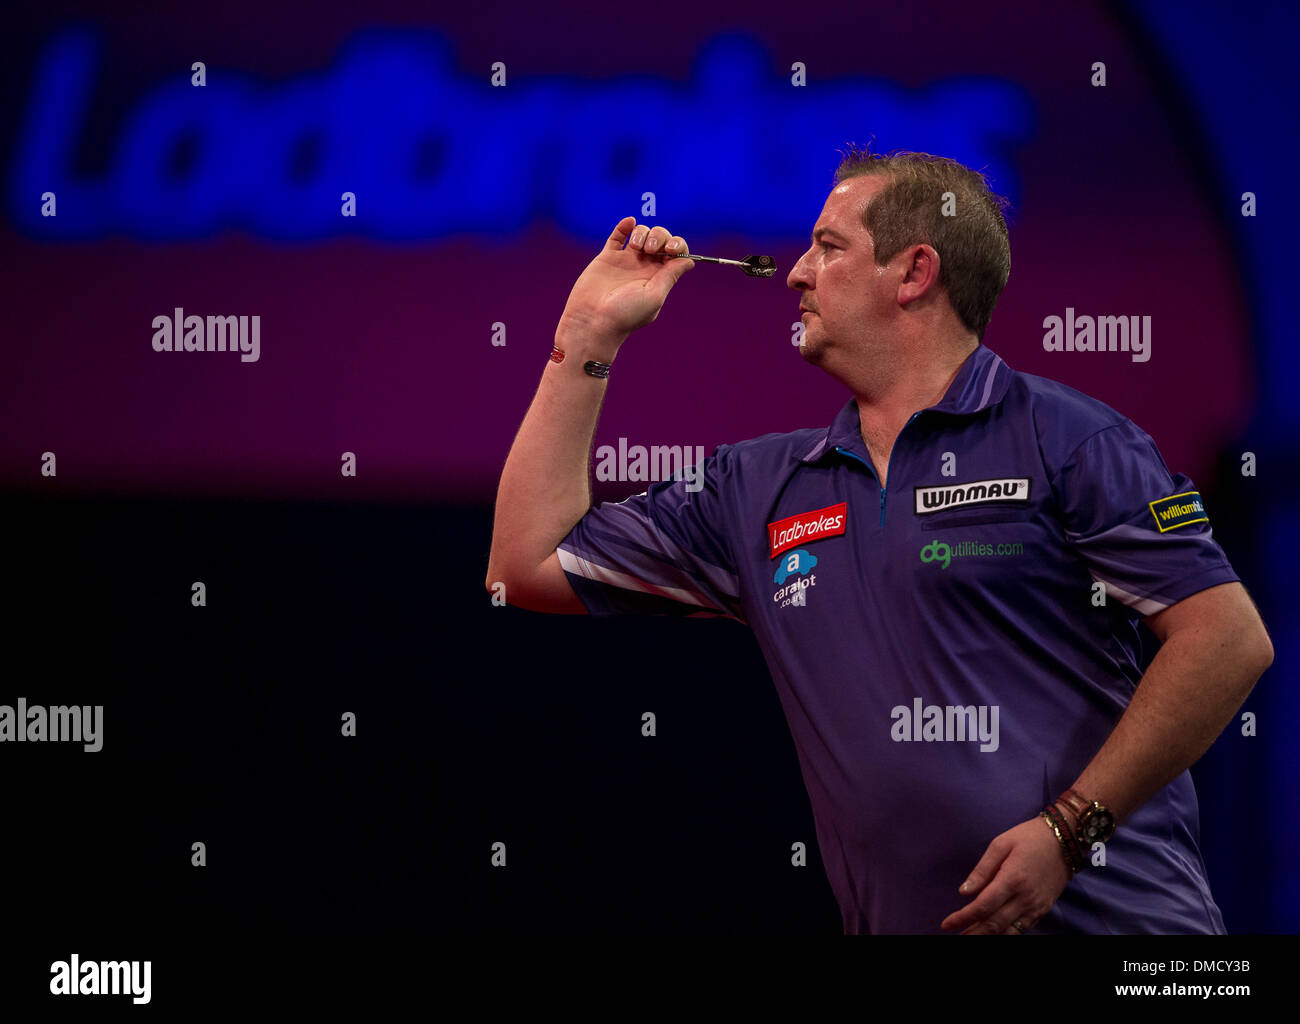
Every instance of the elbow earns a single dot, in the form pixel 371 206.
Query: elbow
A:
pixel 1264 651
pixel 502 566
pixel 506 586
pixel 1252 656
pixel 495 579
pixel 496 572
pixel 1256 646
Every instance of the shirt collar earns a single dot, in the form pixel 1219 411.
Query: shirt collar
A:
pixel 981 382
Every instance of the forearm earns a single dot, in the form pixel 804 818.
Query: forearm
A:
pixel 1190 692
pixel 545 488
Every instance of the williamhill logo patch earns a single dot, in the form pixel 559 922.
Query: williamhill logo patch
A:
pixel 1178 510
pixel 807 527
pixel 977 492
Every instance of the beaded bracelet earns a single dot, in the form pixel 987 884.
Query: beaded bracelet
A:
pixel 1062 831
pixel 591 367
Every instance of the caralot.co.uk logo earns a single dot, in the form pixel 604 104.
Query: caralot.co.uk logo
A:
pixel 797 563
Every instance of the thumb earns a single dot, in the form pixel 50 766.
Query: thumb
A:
pixel 671 272
pixel 618 237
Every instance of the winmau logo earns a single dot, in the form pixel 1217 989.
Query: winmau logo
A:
pixel 942 496
pixel 807 527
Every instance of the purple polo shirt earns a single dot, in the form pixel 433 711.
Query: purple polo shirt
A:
pixel 951 650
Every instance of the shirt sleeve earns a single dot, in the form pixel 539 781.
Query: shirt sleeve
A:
pixel 661 552
pixel 1143 532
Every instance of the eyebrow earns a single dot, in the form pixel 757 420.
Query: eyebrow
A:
pixel 826 231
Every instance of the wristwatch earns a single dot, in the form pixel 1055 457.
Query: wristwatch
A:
pixel 1094 822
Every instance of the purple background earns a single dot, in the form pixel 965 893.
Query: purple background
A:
pixel 384 349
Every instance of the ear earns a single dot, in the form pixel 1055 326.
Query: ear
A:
pixel 920 273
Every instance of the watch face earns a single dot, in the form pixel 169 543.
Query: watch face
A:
pixel 1097 825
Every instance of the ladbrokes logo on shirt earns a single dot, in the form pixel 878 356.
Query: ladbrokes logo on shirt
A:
pixel 807 527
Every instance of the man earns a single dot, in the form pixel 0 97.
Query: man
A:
pixel 946 583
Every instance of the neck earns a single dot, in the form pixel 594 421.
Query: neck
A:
pixel 904 381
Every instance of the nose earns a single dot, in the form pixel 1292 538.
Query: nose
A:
pixel 799 277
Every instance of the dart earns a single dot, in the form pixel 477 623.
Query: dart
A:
pixel 754 266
